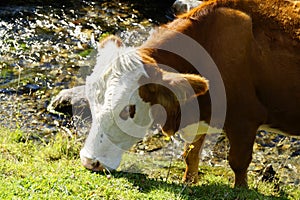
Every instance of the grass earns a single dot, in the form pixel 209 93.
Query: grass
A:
pixel 39 169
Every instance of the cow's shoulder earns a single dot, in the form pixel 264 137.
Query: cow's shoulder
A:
pixel 282 13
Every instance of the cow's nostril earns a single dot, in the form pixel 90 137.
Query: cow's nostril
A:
pixel 91 164
pixel 96 164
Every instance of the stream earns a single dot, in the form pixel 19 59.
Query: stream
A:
pixel 45 49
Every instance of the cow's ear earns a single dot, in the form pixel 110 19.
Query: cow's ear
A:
pixel 198 83
pixel 185 86
pixel 111 41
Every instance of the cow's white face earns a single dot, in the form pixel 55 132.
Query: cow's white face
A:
pixel 121 108
pixel 120 116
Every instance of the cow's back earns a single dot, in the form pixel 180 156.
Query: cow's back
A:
pixel 276 59
pixel 256 46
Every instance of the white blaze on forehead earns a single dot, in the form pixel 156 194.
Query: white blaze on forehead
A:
pixel 112 86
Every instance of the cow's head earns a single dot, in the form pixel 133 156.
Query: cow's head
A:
pixel 123 91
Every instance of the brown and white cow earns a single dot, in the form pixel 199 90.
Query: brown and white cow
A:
pixel 249 54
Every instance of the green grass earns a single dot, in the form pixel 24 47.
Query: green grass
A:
pixel 35 169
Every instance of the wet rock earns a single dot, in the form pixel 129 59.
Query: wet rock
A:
pixel 296 153
pixel 182 6
pixel 268 174
pixel 38 2
pixel 7 91
pixel 29 88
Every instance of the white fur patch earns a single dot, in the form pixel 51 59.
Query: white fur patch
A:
pixel 190 132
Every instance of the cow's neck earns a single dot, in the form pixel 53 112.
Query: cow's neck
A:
pixel 171 62
pixel 160 46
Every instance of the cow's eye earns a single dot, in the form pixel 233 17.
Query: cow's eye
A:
pixel 128 111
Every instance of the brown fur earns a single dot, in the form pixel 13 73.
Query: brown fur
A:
pixel 256 47
pixel 284 14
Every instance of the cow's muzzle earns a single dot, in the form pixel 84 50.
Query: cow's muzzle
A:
pixel 92 164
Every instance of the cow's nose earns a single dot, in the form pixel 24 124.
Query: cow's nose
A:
pixel 92 164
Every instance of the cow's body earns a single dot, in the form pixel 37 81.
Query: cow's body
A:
pixel 257 56
pixel 255 61
pixel 259 64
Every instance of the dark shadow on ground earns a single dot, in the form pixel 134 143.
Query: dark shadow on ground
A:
pixel 203 192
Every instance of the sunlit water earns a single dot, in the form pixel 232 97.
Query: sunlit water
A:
pixel 46 49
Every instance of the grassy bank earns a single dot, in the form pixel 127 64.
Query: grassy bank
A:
pixel 39 169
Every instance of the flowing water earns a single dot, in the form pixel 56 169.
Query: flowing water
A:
pixel 44 49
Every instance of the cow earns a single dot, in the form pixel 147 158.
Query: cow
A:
pixel 227 65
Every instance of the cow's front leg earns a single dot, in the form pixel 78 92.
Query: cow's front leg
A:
pixel 241 138
pixel 191 157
